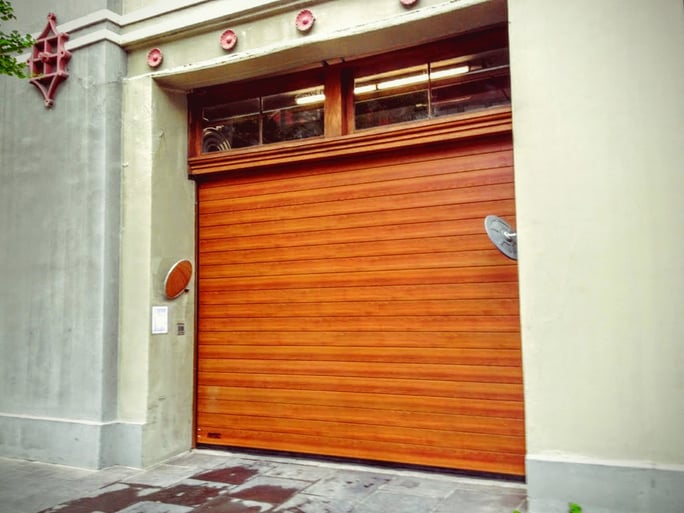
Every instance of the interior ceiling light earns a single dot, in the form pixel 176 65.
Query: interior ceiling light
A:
pixel 403 81
pixel 365 89
pixel 412 79
pixel 449 72
pixel 308 99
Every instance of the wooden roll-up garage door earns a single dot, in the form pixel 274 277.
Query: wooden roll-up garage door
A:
pixel 357 309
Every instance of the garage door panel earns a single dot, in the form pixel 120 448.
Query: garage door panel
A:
pixel 452 275
pixel 368 432
pixel 452 292
pixel 442 260
pixel 316 307
pixel 220 194
pixel 436 339
pixel 365 414
pixel 378 204
pixel 220 224
pixel 413 387
pixel 412 355
pixel 433 372
pixel 491 412
pixel 423 323
pixel 352 249
pixel 455 227
pixel 372 218
pixel 376 196
pixel 357 308
pixel 483 461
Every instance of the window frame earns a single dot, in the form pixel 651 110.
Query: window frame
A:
pixel 338 82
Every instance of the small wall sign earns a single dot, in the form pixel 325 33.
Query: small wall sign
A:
pixel 160 320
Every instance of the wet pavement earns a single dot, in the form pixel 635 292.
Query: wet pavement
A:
pixel 206 481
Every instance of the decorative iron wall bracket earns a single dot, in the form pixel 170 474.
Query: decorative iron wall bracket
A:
pixel 48 61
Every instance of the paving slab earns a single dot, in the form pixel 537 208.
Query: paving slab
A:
pixel 385 501
pixel 161 475
pixel 349 486
pixel 231 482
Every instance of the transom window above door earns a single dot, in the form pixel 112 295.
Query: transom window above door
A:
pixel 447 78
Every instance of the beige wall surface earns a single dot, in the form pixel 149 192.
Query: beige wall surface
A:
pixel 598 106
pixel 158 222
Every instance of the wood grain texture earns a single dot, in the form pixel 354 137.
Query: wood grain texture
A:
pixel 356 308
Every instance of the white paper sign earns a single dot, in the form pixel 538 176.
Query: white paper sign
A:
pixel 160 319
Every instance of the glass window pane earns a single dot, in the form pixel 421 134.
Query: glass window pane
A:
pixel 230 126
pixel 393 97
pixel 293 115
pixel 470 96
pixel 234 133
pixel 482 82
pixel 269 119
pixel 231 110
pixel 441 88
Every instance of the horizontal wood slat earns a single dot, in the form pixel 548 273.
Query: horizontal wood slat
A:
pixel 449 339
pixel 416 387
pixel 368 432
pixel 366 415
pixel 434 276
pixel 349 446
pixel 357 308
pixel 387 402
pixel 369 308
pixel 417 230
pixel 489 257
pixel 422 323
pixel 447 292
pixel 351 249
pixel 435 372
pixel 423 187
pixel 219 225
pixel 411 355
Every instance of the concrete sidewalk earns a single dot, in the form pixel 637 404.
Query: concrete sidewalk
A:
pixel 228 482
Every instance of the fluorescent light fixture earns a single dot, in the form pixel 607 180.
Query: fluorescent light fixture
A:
pixel 308 99
pixel 365 89
pixel 311 98
pixel 403 81
pixel 449 72
pixel 412 79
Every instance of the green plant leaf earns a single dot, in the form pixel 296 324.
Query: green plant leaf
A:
pixel 10 43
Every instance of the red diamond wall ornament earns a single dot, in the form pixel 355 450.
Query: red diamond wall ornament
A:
pixel 48 61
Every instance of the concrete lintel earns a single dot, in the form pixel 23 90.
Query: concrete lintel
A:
pixel 427 24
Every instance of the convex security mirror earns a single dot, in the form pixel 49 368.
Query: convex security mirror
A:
pixel 502 236
pixel 177 279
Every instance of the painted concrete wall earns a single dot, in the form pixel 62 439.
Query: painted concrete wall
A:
pixel 598 132
pixel 158 225
pixel 32 14
pixel 59 248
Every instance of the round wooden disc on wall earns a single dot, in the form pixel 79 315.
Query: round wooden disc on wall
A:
pixel 178 278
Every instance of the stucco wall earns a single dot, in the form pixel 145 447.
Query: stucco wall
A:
pixel 31 14
pixel 59 205
pixel 599 130
pixel 156 376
